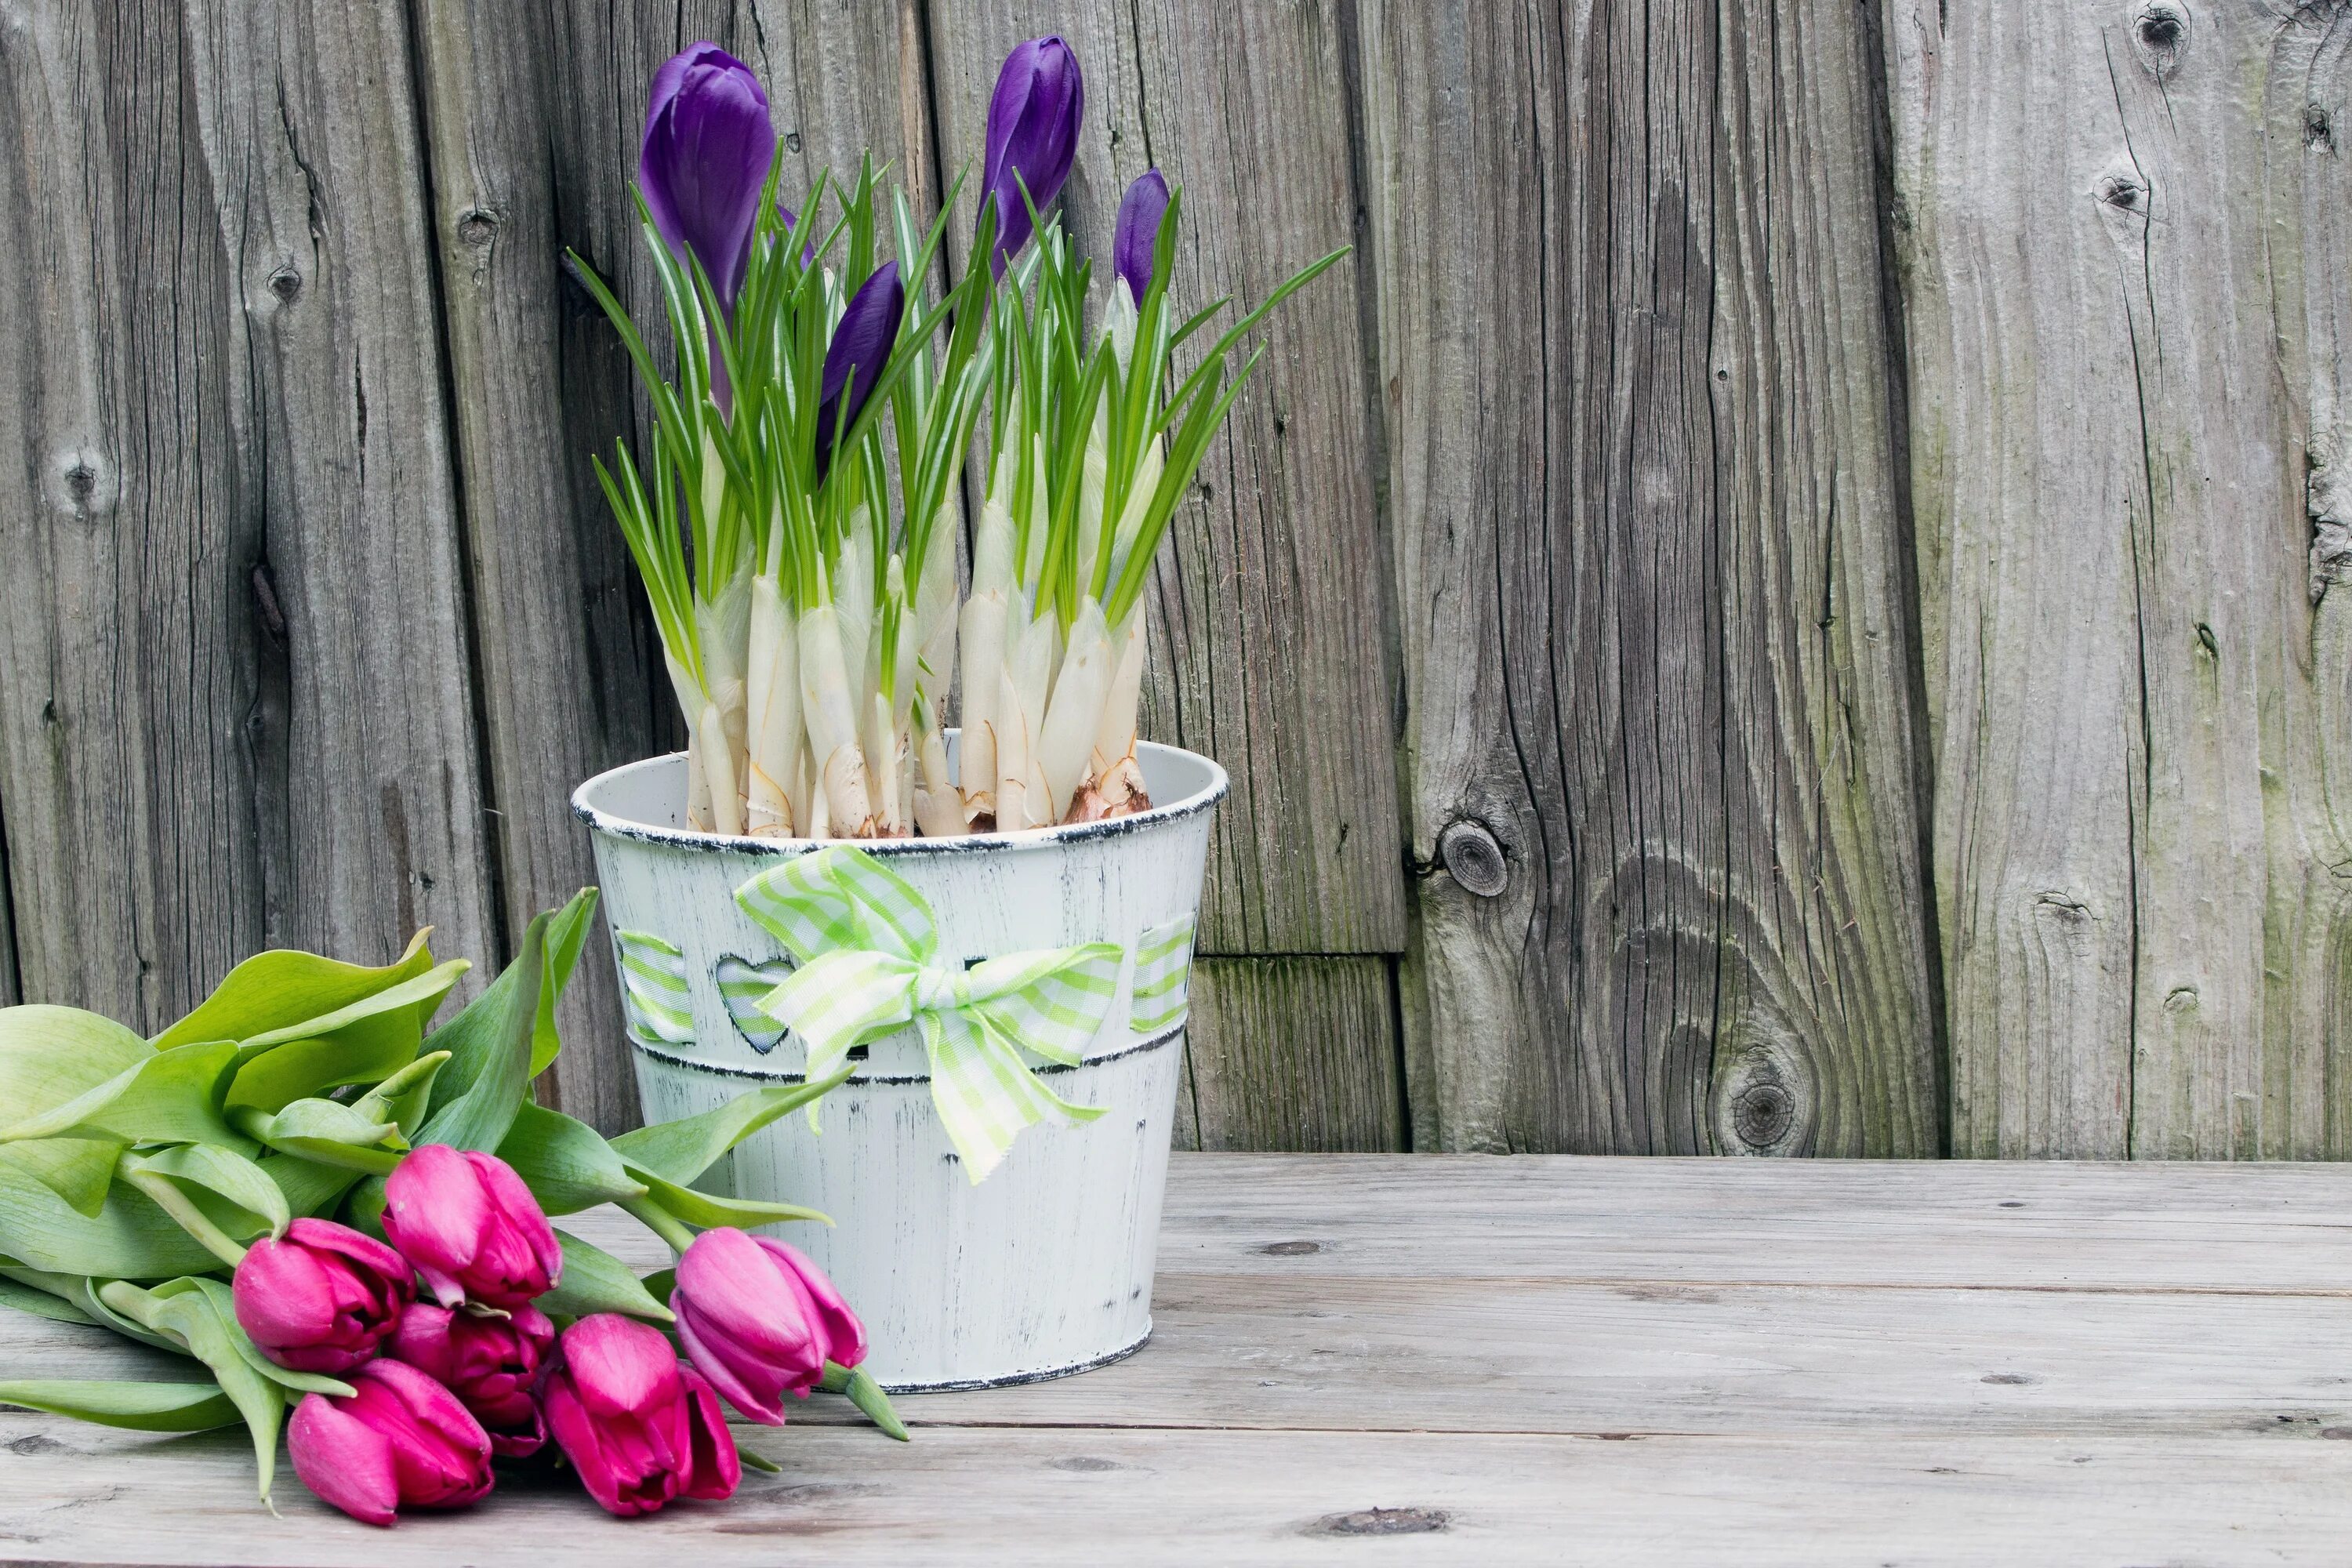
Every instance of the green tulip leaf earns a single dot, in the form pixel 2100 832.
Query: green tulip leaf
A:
pixel 141 1407
pixel 566 1164
pixel 257 1202
pixel 172 1096
pixel 681 1150
pixel 406 1096
pixel 223 1300
pixel 41 1304
pixel 191 1316
pixel 129 1238
pixel 78 1169
pixel 494 1042
pixel 275 991
pixel 708 1210
pixel 367 1040
pixel 49 1055
pixel 327 1131
pixel 595 1281
pixel 364 1210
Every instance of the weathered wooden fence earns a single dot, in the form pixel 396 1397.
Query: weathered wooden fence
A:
pixel 1790 597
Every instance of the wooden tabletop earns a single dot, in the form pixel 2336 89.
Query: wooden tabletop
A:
pixel 1507 1360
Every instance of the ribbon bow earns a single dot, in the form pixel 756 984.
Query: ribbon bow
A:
pixel 866 949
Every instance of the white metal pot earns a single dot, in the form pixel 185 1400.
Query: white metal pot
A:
pixel 1045 1266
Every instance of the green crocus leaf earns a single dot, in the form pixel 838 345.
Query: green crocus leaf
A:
pixel 76 1169
pixel 281 990
pixel 172 1096
pixel 50 1056
pixel 681 1150
pixel 141 1407
pixel 565 1163
pixel 255 1201
pixel 129 1238
pixel 595 1281
pixel 367 1040
pixel 191 1316
pixel 41 1304
pixel 708 1210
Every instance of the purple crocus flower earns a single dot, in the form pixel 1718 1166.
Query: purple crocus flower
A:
pixel 860 344
pixel 1032 130
pixel 1140 212
pixel 708 146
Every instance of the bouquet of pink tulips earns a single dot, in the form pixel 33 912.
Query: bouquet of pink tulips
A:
pixel 324 1205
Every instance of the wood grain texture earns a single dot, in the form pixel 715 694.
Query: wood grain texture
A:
pixel 1963 1382
pixel 2125 433
pixel 1652 581
pixel 235 706
pixel 1267 649
pixel 1293 1053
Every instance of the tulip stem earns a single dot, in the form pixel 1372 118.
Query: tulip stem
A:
pixel 867 1395
pixel 661 1221
pixel 167 1196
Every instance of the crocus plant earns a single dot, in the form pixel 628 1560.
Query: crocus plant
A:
pixel 325 1206
pixel 796 508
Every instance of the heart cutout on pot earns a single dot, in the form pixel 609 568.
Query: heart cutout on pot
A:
pixel 742 983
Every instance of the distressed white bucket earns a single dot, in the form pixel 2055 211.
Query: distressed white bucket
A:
pixel 1045 1266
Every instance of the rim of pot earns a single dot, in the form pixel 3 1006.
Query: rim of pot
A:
pixel 603 821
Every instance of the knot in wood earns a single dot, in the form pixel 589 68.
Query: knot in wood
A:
pixel 85 484
pixel 2123 193
pixel 1761 1112
pixel 478 226
pixel 1290 1248
pixel 2159 34
pixel 1474 858
pixel 287 284
pixel 1383 1522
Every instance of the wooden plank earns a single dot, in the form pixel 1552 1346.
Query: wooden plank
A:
pixel 847 1496
pixel 2129 653
pixel 233 699
pixel 1267 649
pixel 570 661
pixel 1295 1054
pixel 1650 570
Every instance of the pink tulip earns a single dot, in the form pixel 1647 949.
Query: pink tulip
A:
pixel 322 1297
pixel 758 1319
pixel 400 1441
pixel 471 1227
pixel 640 1428
pixel 489 1362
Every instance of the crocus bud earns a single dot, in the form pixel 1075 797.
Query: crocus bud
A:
pixel 640 1428
pixel 490 1362
pixel 1033 131
pixel 321 1297
pixel 708 146
pixel 402 1440
pixel 855 359
pixel 471 1227
pixel 758 1319
pixel 1140 212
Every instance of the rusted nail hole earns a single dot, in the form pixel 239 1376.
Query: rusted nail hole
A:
pixel 2011 1379
pixel 1383 1522
pixel 1291 1248
pixel 1473 857
pixel 287 284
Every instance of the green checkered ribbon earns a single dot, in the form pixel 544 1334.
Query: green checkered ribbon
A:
pixel 1163 963
pixel 867 949
pixel 654 992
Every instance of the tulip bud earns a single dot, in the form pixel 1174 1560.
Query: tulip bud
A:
pixel 471 1227
pixel 640 1428
pixel 321 1297
pixel 1140 212
pixel 708 146
pixel 853 361
pixel 402 1440
pixel 1033 133
pixel 757 1319
pixel 489 1362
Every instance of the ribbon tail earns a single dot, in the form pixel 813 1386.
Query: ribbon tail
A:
pixel 986 1094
